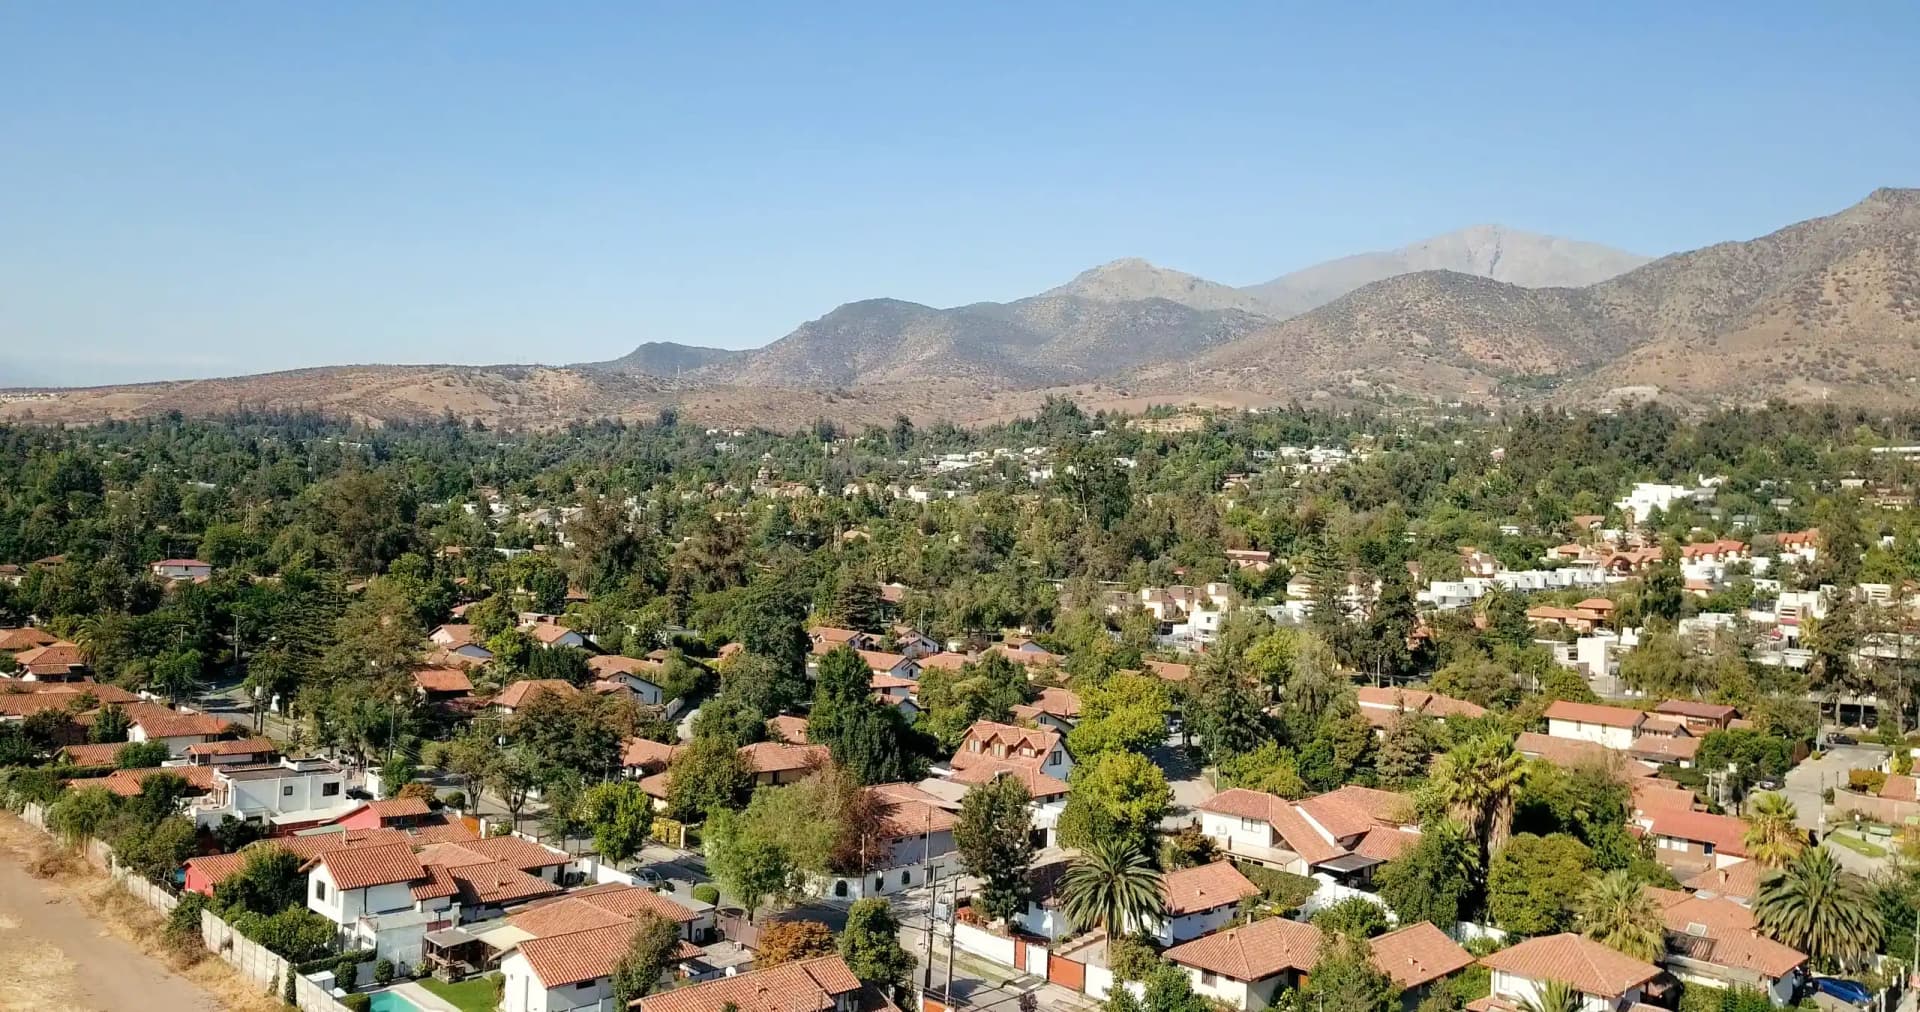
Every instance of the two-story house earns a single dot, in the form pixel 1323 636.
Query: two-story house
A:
pixel 1607 981
pixel 821 984
pixel 381 898
pixel 572 944
pixel 640 677
pixel 522 692
pixel 1614 727
pixel 1054 707
pixel 1037 756
pixel 1713 941
pixel 460 640
pixel 1198 901
pixel 913 847
pixel 1344 833
pixel 283 796
pixel 178 729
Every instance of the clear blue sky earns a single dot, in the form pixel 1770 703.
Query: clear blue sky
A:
pixel 202 189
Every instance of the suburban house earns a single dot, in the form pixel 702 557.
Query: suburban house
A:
pixel 991 744
pixel 1342 833
pixel 1199 901
pixel 640 677
pixel 773 763
pixel 1246 966
pixel 1569 752
pixel 153 722
pixel 1713 941
pixel 1691 842
pixel 827 638
pixel 1382 706
pixel 1168 671
pixel 820 984
pixel 1055 708
pixel 570 945
pixel 1699 717
pixel 917 834
pixel 1614 727
pixel 899 693
pixel 1737 882
pixel 58 661
pixel 1608 981
pixel 1417 956
pixel 892 665
pixel 13 641
pixel 522 692
pixel 182 569
pixel 485 885
pixel 282 796
pixel 234 752
pixel 1021 650
pixel 553 634
pixel 460 640
pixel 442 684
pixel 1666 749
pixel 914 643
pixel 380 898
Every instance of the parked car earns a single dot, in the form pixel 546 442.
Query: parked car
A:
pixel 1850 991
pixel 1768 784
pixel 650 879
pixel 1836 738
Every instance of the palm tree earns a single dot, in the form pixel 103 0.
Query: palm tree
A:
pixel 1617 912
pixel 1113 886
pixel 1553 996
pixel 1772 839
pixel 1476 782
pixel 1811 905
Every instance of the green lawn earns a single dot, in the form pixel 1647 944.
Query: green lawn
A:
pixel 474 995
pixel 1857 845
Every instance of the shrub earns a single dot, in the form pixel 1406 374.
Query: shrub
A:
pixel 383 972
pixel 454 799
pixel 1866 781
pixel 1280 888
pixel 706 892
pixel 358 1002
pixel 183 924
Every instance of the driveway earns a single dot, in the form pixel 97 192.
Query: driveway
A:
pixel 1806 782
pixel 1185 779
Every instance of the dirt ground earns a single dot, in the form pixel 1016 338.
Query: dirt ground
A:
pixel 70 939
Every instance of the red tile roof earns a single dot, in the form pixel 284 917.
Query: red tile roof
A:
pixel 442 679
pixel 1204 887
pixel 94 755
pixel 241 746
pixel 1594 713
pixel 647 754
pixel 1254 951
pixel 1038 784
pixel 788 728
pixel 911 811
pixel 158 721
pixel 1696 709
pixel 1726 833
pixel 126 783
pixel 1739 881
pixel 1573 752
pixel 779 757
pixel 522 692
pixel 808 985
pixel 1585 964
pixel 1169 671
pixel 608 665
pixel 1418 954
pixel 522 854
pixel 1353 810
pixel 1650 795
pixel 365 867
pixel 1295 832
pixel 1661 747
pixel 563 960
pixel 400 808
pixel 12 641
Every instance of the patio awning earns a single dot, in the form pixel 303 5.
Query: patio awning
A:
pixel 1347 863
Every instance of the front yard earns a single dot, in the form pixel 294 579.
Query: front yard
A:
pixel 474 995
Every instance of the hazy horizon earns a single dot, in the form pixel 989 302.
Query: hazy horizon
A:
pixel 211 192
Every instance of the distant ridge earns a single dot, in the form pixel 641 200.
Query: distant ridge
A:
pixel 664 359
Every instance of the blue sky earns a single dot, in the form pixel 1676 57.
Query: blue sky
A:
pixel 191 190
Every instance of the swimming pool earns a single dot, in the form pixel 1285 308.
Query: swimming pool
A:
pixel 391 1001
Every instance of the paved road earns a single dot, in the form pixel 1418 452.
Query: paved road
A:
pixel 1806 782
pixel 1190 789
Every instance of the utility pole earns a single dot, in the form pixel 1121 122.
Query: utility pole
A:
pixel 953 910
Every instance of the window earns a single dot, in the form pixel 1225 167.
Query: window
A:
pixel 1208 978
pixel 320 890
pixel 286 791
pixel 585 985
pixel 330 790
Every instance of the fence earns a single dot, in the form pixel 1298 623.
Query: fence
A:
pixel 247 957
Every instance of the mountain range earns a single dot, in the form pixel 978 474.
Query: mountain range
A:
pixel 1825 308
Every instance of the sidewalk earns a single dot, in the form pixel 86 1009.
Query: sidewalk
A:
pixel 982 984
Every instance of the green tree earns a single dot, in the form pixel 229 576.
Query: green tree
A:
pixel 1353 917
pixel 1112 885
pixel 1663 593
pixel 295 933
pixel 268 882
pixel 1224 710
pixel 1533 881
pixel 1476 782
pixel 620 815
pixel 708 776
pixel 1772 838
pixel 142 755
pixel 1345 980
pixel 870 944
pixel 649 954
pixel 1435 880
pixel 176 673
pixel 1128 713
pixel 994 834
pixel 1554 996
pixel 1814 906
pixel 747 862
pixel 1405 751
pixel 1118 795
pixel 1616 911
pixel 110 725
